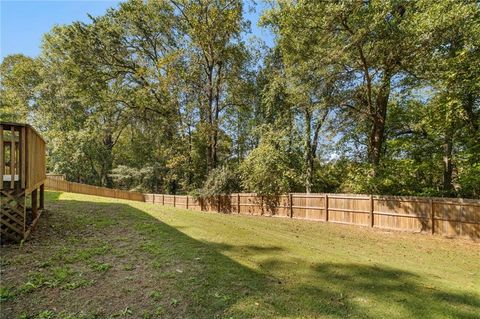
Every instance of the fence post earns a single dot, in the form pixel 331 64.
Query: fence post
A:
pixel 432 216
pixel 326 207
pixel 238 203
pixel 290 199
pixel 187 203
pixel 173 200
pixel 261 205
pixel 371 210
pixel 163 199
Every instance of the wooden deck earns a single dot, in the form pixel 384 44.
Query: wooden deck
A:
pixel 22 176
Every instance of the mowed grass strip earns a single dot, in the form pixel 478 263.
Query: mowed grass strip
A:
pixel 94 257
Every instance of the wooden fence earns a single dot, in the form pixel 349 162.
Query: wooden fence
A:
pixel 64 186
pixel 451 217
pixel 57 176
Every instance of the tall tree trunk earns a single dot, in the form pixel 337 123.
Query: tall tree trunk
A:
pixel 308 152
pixel 210 120
pixel 472 117
pixel 447 161
pixel 377 133
pixel 215 130
pixel 376 141
pixel 218 84
pixel 108 143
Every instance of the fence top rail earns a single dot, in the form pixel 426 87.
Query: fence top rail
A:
pixel 446 200
pixel 439 200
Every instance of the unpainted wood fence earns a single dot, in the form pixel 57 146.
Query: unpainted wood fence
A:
pixel 64 186
pixel 445 216
pixel 62 177
pixel 453 217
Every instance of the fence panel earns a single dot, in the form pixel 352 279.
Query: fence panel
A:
pixel 457 217
pixel 64 186
pixel 444 216
pixel 308 206
pixel 349 209
pixel 403 213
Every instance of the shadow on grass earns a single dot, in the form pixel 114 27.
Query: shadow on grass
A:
pixel 207 284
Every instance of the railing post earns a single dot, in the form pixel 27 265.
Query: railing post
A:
pixel 163 199
pixel 173 200
pixel 23 161
pixel 371 211
pixel 12 158
pixel 186 203
pixel 432 216
pixel 290 200
pixel 326 207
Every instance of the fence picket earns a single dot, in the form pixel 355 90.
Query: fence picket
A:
pixel 444 216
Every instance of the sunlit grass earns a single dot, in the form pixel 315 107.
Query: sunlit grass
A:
pixel 131 259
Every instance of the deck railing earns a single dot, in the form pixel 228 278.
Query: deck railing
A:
pixel 22 157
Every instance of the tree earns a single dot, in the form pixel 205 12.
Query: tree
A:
pixel 449 31
pixel 361 45
pixel 271 168
pixel 18 81
pixel 217 55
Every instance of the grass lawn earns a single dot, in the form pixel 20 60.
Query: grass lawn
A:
pixel 93 257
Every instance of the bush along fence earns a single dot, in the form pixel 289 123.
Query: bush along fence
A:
pixel 453 217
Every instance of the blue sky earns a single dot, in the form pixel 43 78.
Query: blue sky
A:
pixel 22 23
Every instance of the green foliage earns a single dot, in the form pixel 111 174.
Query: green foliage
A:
pixel 19 76
pixel 221 181
pixel 166 97
pixel 469 179
pixel 272 167
pixel 6 293
pixel 136 179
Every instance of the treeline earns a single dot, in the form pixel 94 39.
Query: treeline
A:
pixel 169 97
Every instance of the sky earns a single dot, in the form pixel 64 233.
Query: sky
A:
pixel 23 23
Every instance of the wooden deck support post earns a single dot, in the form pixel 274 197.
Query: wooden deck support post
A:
pixel 34 204
pixel 42 196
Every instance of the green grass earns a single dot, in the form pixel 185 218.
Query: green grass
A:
pixel 95 257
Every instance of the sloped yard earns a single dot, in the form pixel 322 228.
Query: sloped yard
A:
pixel 93 257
